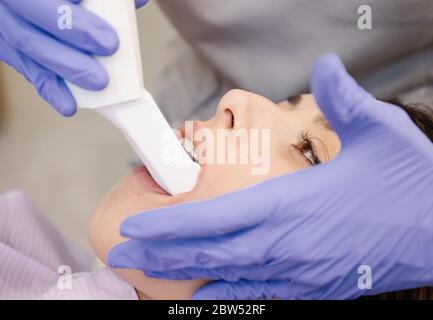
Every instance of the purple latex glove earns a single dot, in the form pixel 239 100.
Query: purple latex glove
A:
pixel 304 235
pixel 32 43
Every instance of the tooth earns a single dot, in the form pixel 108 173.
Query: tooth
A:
pixel 189 148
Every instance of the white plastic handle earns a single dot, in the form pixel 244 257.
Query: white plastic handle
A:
pixel 131 108
pixel 154 141
pixel 124 68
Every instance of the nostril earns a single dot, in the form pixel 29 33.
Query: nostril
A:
pixel 230 118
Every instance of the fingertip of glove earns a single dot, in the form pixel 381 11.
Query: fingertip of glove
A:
pixel 98 80
pixel 109 43
pixel 328 59
pixel 325 66
pixel 115 257
pixel 96 35
pixel 57 94
pixel 127 228
pixel 136 226
pixel 68 111
pixel 68 107
pixel 111 258
pixel 140 3
pixel 202 294
pixel 94 78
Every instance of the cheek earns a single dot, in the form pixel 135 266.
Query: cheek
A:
pixel 124 200
pixel 218 179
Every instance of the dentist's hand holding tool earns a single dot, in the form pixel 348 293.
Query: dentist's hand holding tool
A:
pixel 315 233
pixel 32 42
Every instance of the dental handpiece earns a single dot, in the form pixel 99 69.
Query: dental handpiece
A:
pixel 131 108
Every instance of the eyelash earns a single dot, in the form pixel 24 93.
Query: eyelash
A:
pixel 305 145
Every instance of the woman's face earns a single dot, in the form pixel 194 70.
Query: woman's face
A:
pixel 267 140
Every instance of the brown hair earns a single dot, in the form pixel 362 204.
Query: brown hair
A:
pixel 420 114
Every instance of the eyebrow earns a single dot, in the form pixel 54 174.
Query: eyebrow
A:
pixel 320 119
pixel 294 100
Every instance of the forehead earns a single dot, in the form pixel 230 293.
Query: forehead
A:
pixel 306 111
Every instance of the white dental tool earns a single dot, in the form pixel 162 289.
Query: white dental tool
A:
pixel 127 104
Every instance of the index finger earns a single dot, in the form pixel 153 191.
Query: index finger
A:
pixel 210 218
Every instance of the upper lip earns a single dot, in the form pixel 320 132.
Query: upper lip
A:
pixel 196 125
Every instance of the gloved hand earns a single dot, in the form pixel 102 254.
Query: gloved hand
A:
pixel 32 43
pixel 315 233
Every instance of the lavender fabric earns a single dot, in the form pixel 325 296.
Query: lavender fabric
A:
pixel 31 252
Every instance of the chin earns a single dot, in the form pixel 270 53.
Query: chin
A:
pixel 134 193
pixel 127 198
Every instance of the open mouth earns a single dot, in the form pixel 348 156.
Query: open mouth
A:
pixel 188 146
pixel 145 179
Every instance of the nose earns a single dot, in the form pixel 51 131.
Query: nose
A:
pixel 232 111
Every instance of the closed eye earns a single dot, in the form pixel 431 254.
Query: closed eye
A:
pixel 306 149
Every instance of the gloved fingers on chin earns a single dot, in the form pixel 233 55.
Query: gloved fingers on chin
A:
pixel 48 85
pixel 228 273
pixel 244 290
pixel 224 215
pixel 180 274
pixel 174 255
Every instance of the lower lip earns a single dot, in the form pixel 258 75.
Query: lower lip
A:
pixel 144 178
